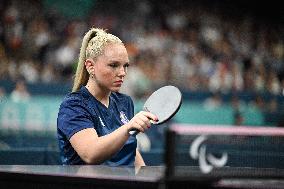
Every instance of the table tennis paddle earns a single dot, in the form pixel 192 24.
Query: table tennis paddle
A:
pixel 164 103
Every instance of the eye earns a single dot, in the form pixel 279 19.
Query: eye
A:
pixel 126 65
pixel 113 65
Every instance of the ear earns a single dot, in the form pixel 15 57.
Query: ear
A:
pixel 89 63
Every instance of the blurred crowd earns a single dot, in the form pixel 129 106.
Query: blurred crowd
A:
pixel 196 46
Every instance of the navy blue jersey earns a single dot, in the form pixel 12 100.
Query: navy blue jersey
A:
pixel 81 110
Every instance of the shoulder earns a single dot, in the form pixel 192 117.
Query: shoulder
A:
pixel 75 99
pixel 72 98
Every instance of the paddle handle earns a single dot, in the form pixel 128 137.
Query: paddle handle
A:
pixel 133 132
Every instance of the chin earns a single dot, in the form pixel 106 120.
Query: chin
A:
pixel 115 89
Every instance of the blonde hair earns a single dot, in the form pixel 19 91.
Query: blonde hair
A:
pixel 93 45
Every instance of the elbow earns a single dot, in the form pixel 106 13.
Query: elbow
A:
pixel 91 159
pixel 87 160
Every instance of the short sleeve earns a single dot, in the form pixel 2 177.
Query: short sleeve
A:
pixel 73 117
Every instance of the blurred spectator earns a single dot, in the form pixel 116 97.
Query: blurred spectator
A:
pixel 20 92
pixel 2 93
pixel 238 118
pixel 272 115
pixel 137 84
pixel 258 103
pixel 196 46
pixel 237 106
pixel 29 70
pixel 65 57
pixel 213 102
pixel 3 62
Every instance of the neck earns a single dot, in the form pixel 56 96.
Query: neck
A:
pixel 99 93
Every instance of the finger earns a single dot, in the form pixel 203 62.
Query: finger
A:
pixel 142 123
pixel 145 119
pixel 137 123
pixel 150 116
pixel 140 117
pixel 140 128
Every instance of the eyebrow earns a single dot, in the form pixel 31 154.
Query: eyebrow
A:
pixel 115 61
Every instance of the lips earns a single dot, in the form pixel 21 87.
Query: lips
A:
pixel 118 82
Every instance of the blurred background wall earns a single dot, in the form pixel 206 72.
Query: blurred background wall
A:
pixel 226 56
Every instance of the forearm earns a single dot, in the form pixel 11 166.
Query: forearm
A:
pixel 106 146
pixel 110 144
pixel 94 149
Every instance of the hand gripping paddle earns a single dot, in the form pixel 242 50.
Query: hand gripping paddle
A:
pixel 164 103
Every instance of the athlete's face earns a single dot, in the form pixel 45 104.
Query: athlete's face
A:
pixel 110 68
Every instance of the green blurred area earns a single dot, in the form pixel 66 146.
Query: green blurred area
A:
pixel 40 114
pixel 70 8
pixel 28 129
pixel 198 113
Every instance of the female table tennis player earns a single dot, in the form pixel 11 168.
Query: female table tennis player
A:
pixel 94 120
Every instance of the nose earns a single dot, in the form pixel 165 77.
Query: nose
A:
pixel 122 71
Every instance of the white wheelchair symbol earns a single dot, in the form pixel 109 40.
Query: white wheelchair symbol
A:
pixel 207 161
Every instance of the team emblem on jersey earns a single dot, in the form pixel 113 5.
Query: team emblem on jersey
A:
pixel 123 118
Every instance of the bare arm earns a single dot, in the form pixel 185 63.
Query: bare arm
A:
pixel 94 149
